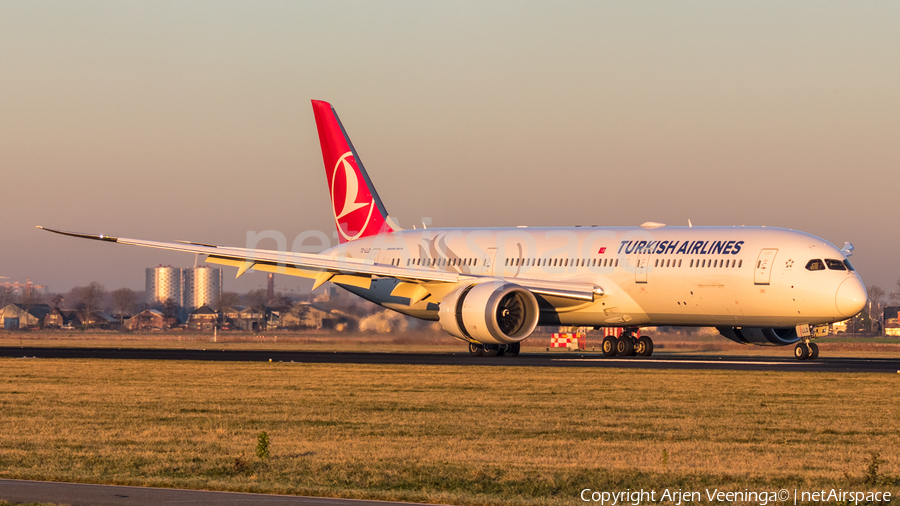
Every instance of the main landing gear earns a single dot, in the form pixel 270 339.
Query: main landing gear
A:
pixel 806 350
pixel 628 344
pixel 494 350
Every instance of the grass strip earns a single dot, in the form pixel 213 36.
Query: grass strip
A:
pixel 443 434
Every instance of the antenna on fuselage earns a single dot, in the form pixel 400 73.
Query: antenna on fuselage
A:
pixel 690 225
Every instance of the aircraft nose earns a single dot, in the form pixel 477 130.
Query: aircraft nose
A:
pixel 851 297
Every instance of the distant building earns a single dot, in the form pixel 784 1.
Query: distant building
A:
pixel 164 283
pixel 97 319
pixel 308 316
pixel 891 323
pixel 243 318
pixel 20 316
pixel 202 318
pixel 202 286
pixel 57 318
pixel 149 319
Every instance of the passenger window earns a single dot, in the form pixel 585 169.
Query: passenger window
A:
pixel 740 263
pixel 835 265
pixel 617 262
pixel 815 265
pixel 656 264
pixel 679 263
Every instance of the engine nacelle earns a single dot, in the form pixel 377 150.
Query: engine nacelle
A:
pixel 760 336
pixel 492 312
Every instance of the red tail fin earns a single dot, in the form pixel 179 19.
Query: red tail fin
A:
pixel 358 211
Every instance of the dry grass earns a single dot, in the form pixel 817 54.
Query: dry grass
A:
pixel 7 503
pixel 459 435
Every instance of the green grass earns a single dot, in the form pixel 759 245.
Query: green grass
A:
pixel 459 435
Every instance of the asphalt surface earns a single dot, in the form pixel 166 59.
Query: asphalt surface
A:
pixel 78 494
pixel 561 359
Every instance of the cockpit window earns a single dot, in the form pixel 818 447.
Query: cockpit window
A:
pixel 849 267
pixel 835 265
pixel 815 265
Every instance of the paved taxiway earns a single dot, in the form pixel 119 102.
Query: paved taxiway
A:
pixel 77 494
pixel 570 359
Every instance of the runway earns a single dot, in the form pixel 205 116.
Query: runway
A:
pixel 78 494
pixel 570 359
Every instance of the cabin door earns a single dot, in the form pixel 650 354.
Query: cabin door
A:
pixel 489 259
pixel 640 270
pixel 764 264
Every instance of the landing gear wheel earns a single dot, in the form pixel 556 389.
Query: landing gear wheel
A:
pixel 801 351
pixel 513 349
pixel 491 350
pixel 625 346
pixel 476 350
pixel 501 350
pixel 813 351
pixel 609 346
pixel 644 346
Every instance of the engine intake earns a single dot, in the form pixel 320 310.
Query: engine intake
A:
pixel 492 312
pixel 760 336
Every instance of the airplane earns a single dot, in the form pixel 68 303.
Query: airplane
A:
pixel 491 287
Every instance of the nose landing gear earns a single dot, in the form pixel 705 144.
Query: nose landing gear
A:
pixel 806 350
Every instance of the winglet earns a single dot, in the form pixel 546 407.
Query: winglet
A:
pixel 96 237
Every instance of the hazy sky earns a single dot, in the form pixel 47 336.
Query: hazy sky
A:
pixel 177 120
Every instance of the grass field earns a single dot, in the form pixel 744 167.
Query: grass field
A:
pixel 458 435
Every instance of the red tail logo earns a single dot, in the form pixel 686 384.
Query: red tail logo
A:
pixel 353 205
pixel 358 211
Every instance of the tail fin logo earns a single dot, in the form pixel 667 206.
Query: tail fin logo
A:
pixel 350 199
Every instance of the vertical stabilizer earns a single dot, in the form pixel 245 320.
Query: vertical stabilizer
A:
pixel 358 211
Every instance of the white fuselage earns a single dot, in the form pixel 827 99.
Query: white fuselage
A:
pixel 700 276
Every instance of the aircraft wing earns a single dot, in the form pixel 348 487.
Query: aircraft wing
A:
pixel 342 270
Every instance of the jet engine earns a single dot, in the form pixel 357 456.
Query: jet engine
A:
pixel 760 336
pixel 493 312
